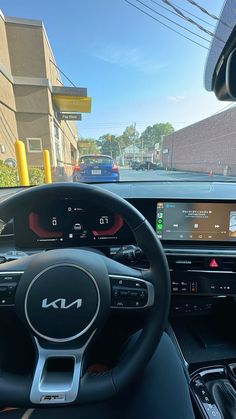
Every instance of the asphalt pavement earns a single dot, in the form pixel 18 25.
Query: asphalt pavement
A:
pixel 148 175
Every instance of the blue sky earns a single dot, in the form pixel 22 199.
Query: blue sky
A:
pixel 135 69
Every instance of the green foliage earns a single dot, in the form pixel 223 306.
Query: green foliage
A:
pixel 113 145
pixel 129 136
pixel 36 176
pixel 9 177
pixel 153 135
pixel 109 145
pixel 92 147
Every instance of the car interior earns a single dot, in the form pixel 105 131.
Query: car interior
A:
pixel 121 291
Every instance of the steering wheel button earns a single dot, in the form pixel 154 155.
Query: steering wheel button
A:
pixel 115 292
pixel 134 294
pixel 124 293
pixel 120 304
pixel 6 301
pixel 3 290
pixel 9 277
pixel 142 294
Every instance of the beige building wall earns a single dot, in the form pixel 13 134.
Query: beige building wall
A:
pixel 25 94
pixel 68 129
pixel 25 43
pixel 37 126
pixel 8 126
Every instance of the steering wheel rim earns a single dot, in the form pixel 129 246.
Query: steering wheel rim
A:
pixel 94 388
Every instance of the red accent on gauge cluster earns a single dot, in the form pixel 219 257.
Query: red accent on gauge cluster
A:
pixel 37 229
pixel 118 223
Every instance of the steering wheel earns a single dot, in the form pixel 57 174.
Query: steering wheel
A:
pixel 64 298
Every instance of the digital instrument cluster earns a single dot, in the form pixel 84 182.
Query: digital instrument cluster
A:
pixel 68 223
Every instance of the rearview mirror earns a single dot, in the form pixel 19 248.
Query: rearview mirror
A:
pixel 220 71
pixel 231 74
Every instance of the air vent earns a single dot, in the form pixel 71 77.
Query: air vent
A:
pixel 183 263
pixel 228 264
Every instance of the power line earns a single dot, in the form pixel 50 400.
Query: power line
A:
pixel 8 141
pixel 172 21
pixel 180 8
pixel 188 19
pixel 122 123
pixel 6 134
pixel 62 72
pixel 205 11
pixel 6 122
pixel 167 26
pixel 165 8
pixel 230 105
pixel 192 14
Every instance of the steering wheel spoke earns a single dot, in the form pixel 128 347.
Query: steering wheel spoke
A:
pixel 57 374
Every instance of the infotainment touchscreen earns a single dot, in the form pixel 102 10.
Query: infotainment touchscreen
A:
pixel 196 221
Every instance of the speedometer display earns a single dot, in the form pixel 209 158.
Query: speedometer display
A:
pixel 68 223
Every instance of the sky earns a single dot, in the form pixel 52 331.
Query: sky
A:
pixel 135 70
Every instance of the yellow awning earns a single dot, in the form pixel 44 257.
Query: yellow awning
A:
pixel 68 103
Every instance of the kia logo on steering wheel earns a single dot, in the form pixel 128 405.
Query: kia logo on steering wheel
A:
pixel 61 303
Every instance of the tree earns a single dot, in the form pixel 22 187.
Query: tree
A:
pixel 153 134
pixel 88 146
pixel 109 145
pixel 130 136
pixel 92 147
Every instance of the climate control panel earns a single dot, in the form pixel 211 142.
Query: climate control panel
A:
pixel 200 275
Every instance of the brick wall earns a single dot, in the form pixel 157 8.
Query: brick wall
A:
pixel 207 145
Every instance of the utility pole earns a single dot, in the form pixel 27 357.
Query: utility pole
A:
pixel 134 141
pixel 120 151
pixel 110 139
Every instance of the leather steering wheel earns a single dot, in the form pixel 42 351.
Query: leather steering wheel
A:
pixel 64 297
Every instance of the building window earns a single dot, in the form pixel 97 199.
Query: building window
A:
pixel 56 131
pixel 34 145
pixel 2 148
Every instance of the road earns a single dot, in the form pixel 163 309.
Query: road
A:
pixel 129 174
pixel 133 175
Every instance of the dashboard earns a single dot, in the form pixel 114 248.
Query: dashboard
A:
pixel 74 223
pixel 195 221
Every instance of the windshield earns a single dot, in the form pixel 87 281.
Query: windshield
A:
pixel 113 92
pixel 95 160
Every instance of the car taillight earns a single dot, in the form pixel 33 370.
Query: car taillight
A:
pixel 77 168
pixel 114 167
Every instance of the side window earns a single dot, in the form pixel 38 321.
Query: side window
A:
pixel 34 145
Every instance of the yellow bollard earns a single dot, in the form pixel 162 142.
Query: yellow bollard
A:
pixel 47 167
pixel 21 163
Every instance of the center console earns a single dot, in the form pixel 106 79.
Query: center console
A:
pixel 199 242
pixel 214 391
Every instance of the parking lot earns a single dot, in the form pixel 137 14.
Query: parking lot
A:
pixel 147 175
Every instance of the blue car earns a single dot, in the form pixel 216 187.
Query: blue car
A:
pixel 96 168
